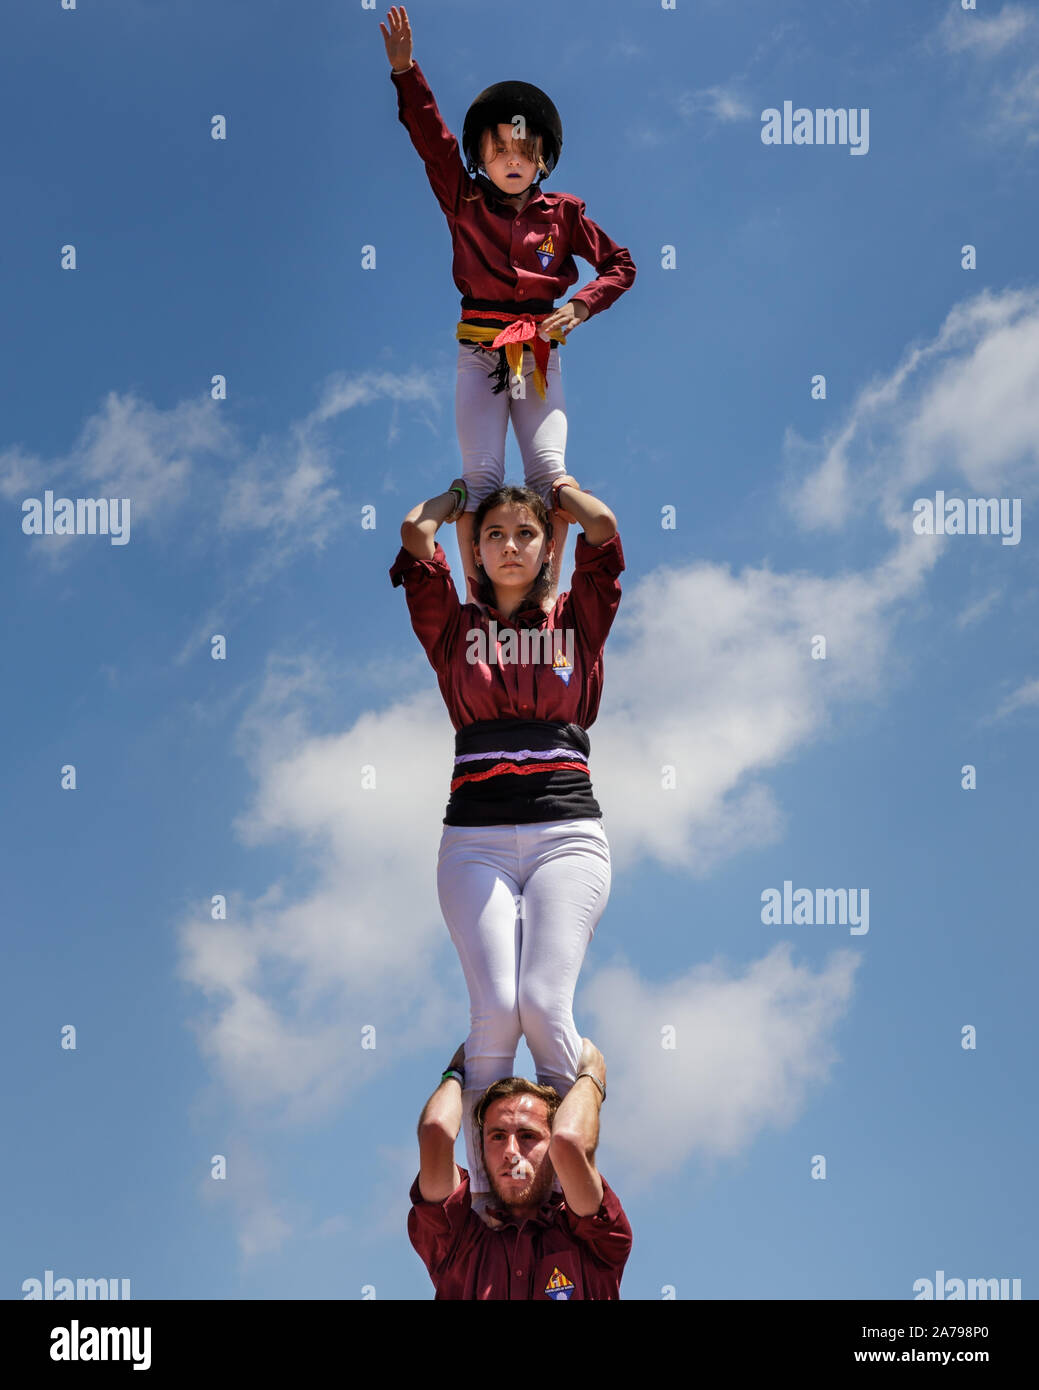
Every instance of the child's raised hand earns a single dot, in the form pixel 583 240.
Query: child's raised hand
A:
pixel 397 38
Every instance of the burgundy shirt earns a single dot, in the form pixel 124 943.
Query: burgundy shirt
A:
pixel 554 1255
pixel 516 690
pixel 501 254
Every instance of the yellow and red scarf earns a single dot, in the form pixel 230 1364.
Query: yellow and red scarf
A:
pixel 521 328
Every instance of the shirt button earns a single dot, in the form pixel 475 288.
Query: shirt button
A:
pixel 519 1273
pixel 519 294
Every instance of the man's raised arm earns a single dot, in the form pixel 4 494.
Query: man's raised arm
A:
pixel 575 1134
pixel 437 1131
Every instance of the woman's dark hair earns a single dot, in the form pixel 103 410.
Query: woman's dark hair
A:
pixel 525 497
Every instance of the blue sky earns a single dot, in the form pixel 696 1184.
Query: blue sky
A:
pixel 241 777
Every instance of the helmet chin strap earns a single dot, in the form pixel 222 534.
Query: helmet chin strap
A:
pixel 489 186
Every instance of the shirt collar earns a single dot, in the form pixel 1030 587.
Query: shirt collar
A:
pixel 544 1216
pixel 537 195
pixel 530 613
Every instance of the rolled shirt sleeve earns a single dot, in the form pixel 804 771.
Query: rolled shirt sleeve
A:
pixel 434 1227
pixel 607 1232
pixel 595 590
pixel 432 602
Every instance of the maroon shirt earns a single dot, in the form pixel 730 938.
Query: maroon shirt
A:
pixel 516 690
pixel 495 247
pixel 552 1256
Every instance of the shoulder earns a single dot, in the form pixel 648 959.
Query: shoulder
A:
pixel 564 202
pixel 431 1221
pixel 459 1199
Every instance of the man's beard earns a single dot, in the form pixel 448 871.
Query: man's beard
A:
pixel 535 1193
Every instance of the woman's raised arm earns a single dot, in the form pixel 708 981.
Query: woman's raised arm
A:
pixel 594 517
pixel 419 528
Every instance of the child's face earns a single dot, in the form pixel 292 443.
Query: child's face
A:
pixel 504 160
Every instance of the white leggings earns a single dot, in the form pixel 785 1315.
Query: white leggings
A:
pixel 521 903
pixel 482 419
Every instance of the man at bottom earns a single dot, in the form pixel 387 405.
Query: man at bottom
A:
pixel 533 1242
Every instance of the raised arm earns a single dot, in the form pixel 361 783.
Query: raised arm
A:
pixel 594 517
pixel 419 528
pixel 575 1135
pixel 418 113
pixel 438 1128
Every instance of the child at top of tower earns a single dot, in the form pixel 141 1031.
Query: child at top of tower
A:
pixel 514 249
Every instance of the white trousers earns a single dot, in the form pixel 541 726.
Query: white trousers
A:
pixel 482 419
pixel 521 903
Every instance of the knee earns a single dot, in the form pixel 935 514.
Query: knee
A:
pixel 496 1026
pixel 543 470
pixel 542 1015
pixel 482 474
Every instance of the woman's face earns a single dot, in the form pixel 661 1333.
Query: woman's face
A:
pixel 511 546
pixel 504 162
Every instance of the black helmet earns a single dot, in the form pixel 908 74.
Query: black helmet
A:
pixel 498 105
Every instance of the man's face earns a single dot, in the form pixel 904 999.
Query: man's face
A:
pixel 516 1136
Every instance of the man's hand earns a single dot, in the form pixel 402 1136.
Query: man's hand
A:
pixel 397 38
pixel 592 1060
pixel 567 316
pixel 575 1135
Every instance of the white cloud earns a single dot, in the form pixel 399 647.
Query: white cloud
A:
pixel 283 486
pixel 345 391
pixel 1012 36
pixel 1024 697
pixel 751 1046
pixel 1018 104
pixel 960 409
pixel 979 609
pixel 724 103
pixel 965 31
pixel 128 448
pixel 292 978
pixel 711 673
pixel 262 1225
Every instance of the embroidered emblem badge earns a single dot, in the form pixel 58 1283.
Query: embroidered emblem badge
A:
pixel 546 252
pixel 559 1286
pixel 562 667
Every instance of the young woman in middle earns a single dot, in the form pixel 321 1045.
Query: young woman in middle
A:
pixel 524 867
